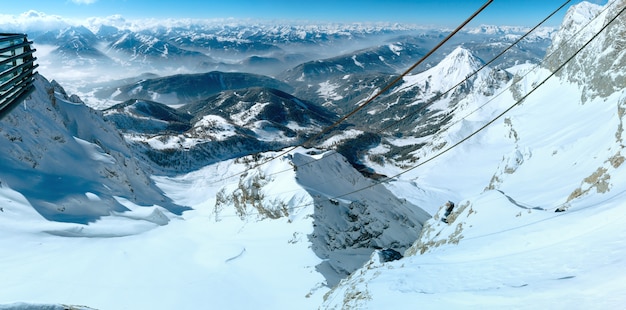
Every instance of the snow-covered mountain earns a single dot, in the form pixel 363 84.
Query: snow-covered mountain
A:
pixel 226 125
pixel 389 58
pixel 130 48
pixel 503 245
pixel 116 48
pixel 73 47
pixel 435 93
pixel 416 108
pixel 331 81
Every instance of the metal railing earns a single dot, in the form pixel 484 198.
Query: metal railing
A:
pixel 17 65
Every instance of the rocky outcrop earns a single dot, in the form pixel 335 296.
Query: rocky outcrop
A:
pixel 599 66
pixel 50 132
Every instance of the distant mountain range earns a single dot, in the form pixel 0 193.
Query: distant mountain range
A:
pixel 257 48
pixel 186 88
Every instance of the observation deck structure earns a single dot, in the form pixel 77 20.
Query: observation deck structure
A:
pixel 17 70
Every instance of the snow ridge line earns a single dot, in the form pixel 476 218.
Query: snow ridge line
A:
pixel 437 97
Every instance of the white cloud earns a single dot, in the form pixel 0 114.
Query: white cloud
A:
pixel 94 23
pixel 32 21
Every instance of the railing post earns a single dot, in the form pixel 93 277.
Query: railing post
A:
pixel 17 65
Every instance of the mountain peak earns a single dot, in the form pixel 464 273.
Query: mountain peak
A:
pixel 453 69
pixel 463 55
pixel 599 66
pixel 457 65
pixel 576 18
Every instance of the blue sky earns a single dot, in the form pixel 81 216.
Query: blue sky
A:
pixel 427 12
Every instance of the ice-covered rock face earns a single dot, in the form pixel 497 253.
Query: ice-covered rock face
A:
pixel 600 65
pixel 69 163
pixel 346 230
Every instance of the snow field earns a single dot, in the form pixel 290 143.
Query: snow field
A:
pixel 545 259
pixel 192 261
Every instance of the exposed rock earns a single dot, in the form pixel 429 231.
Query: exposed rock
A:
pixel 600 73
pixel 389 255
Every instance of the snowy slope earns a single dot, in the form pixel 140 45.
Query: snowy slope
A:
pixel 424 102
pixel 503 245
pixel 69 164
pixel 224 126
pixel 452 70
